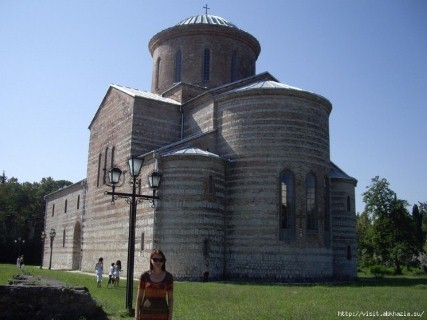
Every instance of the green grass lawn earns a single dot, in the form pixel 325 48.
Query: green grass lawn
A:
pixel 232 301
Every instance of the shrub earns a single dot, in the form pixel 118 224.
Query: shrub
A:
pixel 379 271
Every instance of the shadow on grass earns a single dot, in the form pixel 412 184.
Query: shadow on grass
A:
pixel 388 281
pixel 392 281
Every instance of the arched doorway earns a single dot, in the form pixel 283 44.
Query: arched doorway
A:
pixel 76 246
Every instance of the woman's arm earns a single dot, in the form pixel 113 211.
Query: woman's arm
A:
pixel 138 303
pixel 170 304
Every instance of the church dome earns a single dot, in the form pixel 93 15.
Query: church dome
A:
pixel 207 19
pixel 203 51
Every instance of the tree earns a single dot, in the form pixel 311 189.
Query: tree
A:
pixel 22 209
pixel 419 214
pixel 365 250
pixel 391 240
pixel 420 234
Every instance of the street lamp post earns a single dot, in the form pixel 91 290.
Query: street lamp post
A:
pixel 52 235
pixel 42 237
pixel 133 198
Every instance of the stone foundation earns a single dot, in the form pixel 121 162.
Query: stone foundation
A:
pixel 33 298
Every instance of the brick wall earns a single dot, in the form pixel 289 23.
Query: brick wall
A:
pixel 64 211
pixel 192 40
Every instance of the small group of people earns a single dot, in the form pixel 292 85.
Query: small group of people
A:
pixel 20 262
pixel 155 290
pixel 113 275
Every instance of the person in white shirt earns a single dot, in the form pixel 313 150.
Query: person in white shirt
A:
pixel 99 268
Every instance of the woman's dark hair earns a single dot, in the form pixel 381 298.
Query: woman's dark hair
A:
pixel 158 252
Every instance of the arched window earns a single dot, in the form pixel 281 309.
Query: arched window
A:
pixel 210 185
pixel 311 203
pixel 234 66
pixel 206 65
pixel 178 59
pixel 348 252
pixel 98 175
pixel 157 73
pixel 253 68
pixel 142 241
pixel 206 248
pixel 327 210
pixel 113 149
pixel 287 206
pixel 63 239
pixel 327 204
pixel 104 177
pixel 78 202
pixel 65 206
pixel 53 210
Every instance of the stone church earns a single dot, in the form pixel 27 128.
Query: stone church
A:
pixel 248 189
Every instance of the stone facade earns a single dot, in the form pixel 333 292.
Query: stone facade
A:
pixel 248 187
pixel 65 210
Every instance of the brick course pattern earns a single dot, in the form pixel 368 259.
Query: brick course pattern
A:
pixel 221 147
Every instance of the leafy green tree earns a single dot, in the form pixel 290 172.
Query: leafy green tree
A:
pixel 22 209
pixel 391 240
pixel 419 214
pixel 419 225
pixel 365 249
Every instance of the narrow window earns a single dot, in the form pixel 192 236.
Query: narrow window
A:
pixel 178 58
pixel 65 206
pixel 210 185
pixel 206 248
pixel 206 65
pixel 98 176
pixel 327 211
pixel 78 202
pixel 104 176
pixel 311 203
pixel 142 241
pixel 113 149
pixel 327 204
pixel 53 210
pixel 63 239
pixel 287 205
pixel 234 67
pixel 157 73
pixel 348 204
pixel 348 252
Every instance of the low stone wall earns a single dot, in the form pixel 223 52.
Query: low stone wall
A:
pixel 33 298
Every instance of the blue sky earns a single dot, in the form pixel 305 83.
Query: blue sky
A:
pixel 369 58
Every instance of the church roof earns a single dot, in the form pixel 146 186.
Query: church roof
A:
pixel 190 151
pixel 143 94
pixel 271 84
pixel 267 84
pixel 207 19
pixel 336 172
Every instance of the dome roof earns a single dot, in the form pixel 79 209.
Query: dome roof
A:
pixel 206 19
pixel 190 151
pixel 267 84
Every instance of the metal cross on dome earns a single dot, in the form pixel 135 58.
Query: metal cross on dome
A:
pixel 206 8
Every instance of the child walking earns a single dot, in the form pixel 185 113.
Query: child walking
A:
pixel 111 275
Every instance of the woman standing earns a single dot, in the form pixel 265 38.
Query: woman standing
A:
pixel 99 268
pixel 116 273
pixel 155 291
